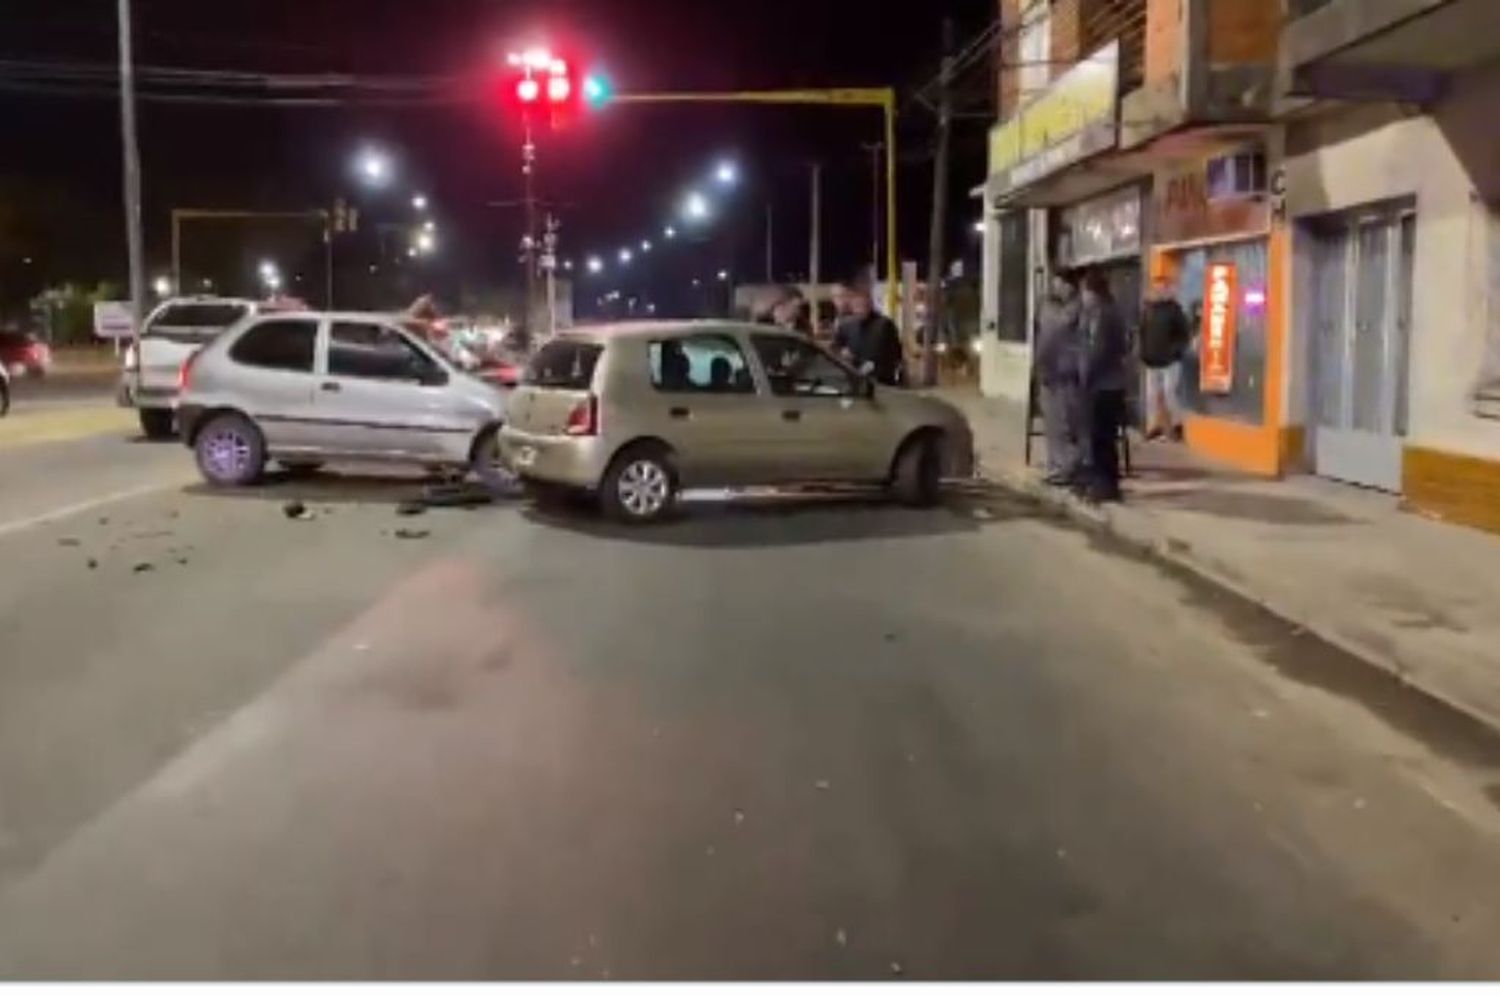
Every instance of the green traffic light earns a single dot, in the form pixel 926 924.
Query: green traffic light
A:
pixel 596 90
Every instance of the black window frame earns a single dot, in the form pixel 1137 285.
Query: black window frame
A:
pixel 236 354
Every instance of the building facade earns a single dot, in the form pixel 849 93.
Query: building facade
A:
pixel 1136 137
pixel 1392 182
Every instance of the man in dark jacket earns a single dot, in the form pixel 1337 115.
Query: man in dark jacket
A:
pixel 1104 371
pixel 1165 335
pixel 870 340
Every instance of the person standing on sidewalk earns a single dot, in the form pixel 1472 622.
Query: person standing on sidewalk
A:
pixel 1059 349
pixel 1164 339
pixel 870 341
pixel 1103 374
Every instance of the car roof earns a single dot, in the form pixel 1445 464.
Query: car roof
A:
pixel 378 317
pixel 669 327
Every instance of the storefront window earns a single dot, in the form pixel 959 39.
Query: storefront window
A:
pixel 1245 399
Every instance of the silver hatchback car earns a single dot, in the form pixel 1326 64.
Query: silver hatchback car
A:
pixel 302 389
pixel 633 413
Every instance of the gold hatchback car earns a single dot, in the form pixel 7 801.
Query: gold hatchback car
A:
pixel 634 413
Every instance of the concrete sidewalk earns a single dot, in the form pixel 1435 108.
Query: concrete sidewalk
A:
pixel 1417 598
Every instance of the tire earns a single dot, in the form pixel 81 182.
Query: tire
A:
pixel 158 423
pixel 917 477
pixel 301 468
pixel 230 451
pixel 640 486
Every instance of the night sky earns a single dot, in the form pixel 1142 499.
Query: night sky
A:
pixel 619 173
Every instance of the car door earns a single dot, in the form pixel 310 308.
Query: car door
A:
pixel 708 408
pixel 274 379
pixel 381 395
pixel 830 428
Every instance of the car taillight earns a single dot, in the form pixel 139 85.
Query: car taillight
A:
pixel 185 372
pixel 583 420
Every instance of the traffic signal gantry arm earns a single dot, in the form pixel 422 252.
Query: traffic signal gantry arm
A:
pixel 881 97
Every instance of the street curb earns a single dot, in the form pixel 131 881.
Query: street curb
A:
pixel 1158 544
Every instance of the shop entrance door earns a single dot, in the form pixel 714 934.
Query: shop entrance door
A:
pixel 1362 282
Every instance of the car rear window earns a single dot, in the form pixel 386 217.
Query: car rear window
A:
pixel 209 318
pixel 564 364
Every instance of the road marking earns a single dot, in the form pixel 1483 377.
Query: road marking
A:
pixel 63 425
pixel 77 508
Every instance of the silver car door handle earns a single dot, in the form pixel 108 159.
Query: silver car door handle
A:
pixel 792 415
pixel 680 412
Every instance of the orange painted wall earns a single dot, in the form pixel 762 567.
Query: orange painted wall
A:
pixel 1271 448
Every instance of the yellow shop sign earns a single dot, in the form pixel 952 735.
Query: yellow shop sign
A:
pixel 1073 119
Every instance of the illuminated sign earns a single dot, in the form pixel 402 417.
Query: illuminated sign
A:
pixel 1074 119
pixel 1220 305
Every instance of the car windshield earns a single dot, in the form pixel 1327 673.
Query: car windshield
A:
pixel 564 363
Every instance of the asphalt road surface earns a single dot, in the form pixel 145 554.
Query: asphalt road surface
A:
pixel 818 739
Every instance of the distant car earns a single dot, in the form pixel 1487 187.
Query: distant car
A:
pixel 24 355
pixel 306 388
pixel 174 331
pixel 635 413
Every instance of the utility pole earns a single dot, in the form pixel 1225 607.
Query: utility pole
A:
pixel 770 242
pixel 134 241
pixel 874 148
pixel 815 249
pixel 529 240
pixel 935 265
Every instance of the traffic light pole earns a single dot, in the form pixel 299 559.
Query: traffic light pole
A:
pixel 881 97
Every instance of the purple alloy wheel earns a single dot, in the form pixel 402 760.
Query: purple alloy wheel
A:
pixel 226 453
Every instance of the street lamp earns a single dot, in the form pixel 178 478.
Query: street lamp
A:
pixel 727 173
pixel 669 232
pixel 429 225
pixel 374 167
pixel 695 206
pixel 426 243
pixel 626 256
pixel 162 286
pixel 645 245
pixel 595 264
pixel 419 202
pixel 723 276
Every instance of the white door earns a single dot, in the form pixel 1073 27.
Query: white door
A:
pixel 1362 279
pixel 382 396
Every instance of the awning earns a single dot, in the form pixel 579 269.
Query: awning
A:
pixel 1115 168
